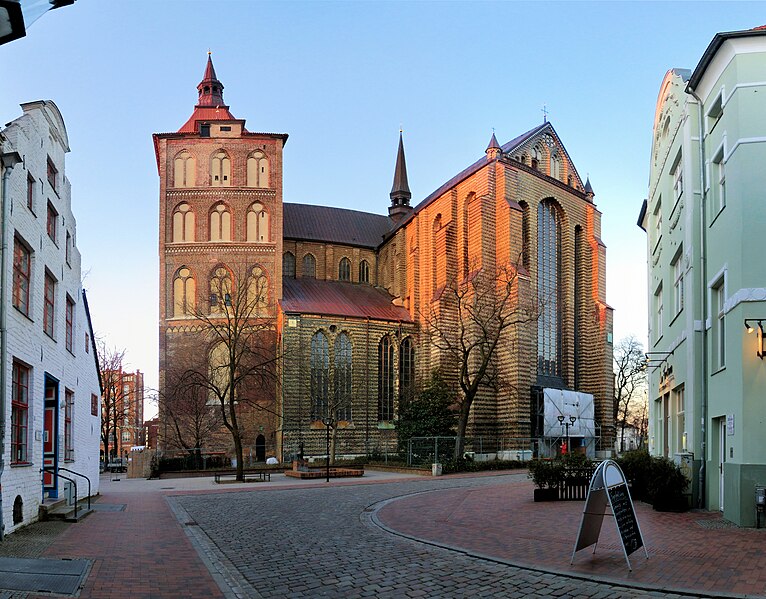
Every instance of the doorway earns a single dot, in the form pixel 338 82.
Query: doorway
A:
pixel 50 437
pixel 260 448
pixel 721 459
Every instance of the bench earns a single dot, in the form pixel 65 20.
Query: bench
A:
pixel 250 476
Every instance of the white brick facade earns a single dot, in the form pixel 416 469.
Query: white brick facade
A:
pixel 39 136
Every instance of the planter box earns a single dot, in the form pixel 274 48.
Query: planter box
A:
pixel 546 494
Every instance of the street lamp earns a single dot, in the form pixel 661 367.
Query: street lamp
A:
pixel 571 422
pixel 328 422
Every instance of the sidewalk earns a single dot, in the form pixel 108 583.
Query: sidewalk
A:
pixel 695 552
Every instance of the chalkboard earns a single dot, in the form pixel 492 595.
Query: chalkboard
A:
pixel 622 508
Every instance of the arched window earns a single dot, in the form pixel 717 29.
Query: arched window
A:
pixel 184 293
pixel 406 369
pixel 343 378
pixel 536 157
pixel 220 223
pixel 257 170
pixel 549 289
pixel 220 289
pixel 320 375
pixel 435 254
pixel 364 271
pixel 385 380
pixel 309 266
pixel 220 374
pixel 344 269
pixel 525 240
pixel 257 291
pixel 184 167
pixel 288 265
pixel 556 166
pixel 183 224
pixel 220 169
pixel 257 224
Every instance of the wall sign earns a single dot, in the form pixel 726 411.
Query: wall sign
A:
pixel 730 424
pixel 609 487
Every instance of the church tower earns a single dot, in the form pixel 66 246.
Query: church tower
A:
pixel 400 191
pixel 220 214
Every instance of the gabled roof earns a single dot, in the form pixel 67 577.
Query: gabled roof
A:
pixel 335 298
pixel 713 48
pixel 334 225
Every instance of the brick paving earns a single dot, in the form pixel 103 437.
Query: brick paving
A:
pixel 192 539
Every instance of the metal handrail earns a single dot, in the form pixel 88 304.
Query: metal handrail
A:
pixel 71 480
pixel 79 474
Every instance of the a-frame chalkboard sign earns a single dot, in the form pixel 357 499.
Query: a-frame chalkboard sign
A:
pixel 609 487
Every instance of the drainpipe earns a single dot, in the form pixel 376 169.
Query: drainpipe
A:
pixel 703 287
pixel 9 160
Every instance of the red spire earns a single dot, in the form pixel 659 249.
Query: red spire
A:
pixel 210 89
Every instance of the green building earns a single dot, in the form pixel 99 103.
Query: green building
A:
pixel 704 218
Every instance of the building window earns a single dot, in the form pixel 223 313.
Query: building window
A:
pixel 69 324
pixel 536 157
pixel 52 175
pixel 258 224
pixel 50 223
pixel 343 378
pixel 19 413
pixel 257 170
pixel 204 130
pixel 184 166
pixel 406 370
pixel 678 179
pixel 680 419
pixel 678 283
pixel 288 265
pixel 658 309
pixel 257 291
pixel 30 192
pixel 49 305
pixel 309 266
pixel 715 113
pixel 385 380
pixel 556 166
pixel 220 375
pixel 220 223
pixel 68 426
pixel 220 290
pixel 719 327
pixel 344 269
pixel 183 224
pixel 525 240
pixel 657 223
pixel 548 289
pixel 364 271
pixel 22 260
pixel 320 375
pixel 87 343
pixel 220 169
pixel 719 181
pixel 184 293
pixel 93 404
pixel 68 249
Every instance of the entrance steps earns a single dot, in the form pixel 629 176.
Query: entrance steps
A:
pixel 59 509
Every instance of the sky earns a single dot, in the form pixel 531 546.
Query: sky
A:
pixel 341 78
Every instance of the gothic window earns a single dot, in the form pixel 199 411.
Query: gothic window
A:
pixel 220 223
pixel 309 266
pixel 549 289
pixel 536 157
pixel 343 378
pixel 320 375
pixel 257 224
pixel 183 223
pixel 257 170
pixel 183 170
pixel 220 374
pixel 406 369
pixel 288 265
pixel 344 269
pixel 220 169
pixel 556 166
pixel 220 289
pixel 435 254
pixel 385 380
pixel 525 240
pixel 257 291
pixel 466 268
pixel 184 292
pixel 364 271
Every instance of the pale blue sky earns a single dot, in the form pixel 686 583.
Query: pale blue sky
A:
pixel 340 78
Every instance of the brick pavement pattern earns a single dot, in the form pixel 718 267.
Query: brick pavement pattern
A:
pixel 322 542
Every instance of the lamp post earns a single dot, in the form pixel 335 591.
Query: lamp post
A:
pixel 328 422
pixel 571 422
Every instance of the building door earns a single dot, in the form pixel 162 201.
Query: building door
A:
pixel 721 459
pixel 260 448
pixel 666 425
pixel 50 437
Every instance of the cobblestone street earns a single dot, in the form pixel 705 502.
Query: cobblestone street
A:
pixel 324 542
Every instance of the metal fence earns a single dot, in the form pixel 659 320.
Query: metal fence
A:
pixel 210 458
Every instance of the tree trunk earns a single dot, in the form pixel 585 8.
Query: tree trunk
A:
pixel 462 425
pixel 238 452
pixel 333 438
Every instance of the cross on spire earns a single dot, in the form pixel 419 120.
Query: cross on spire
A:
pixel 544 110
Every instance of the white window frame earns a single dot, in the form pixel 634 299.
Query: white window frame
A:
pixel 679 426
pixel 678 282
pixel 658 310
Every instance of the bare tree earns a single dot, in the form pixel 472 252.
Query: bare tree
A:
pixel 629 382
pixel 113 399
pixel 237 332
pixel 475 316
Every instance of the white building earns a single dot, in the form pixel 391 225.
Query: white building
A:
pixel 49 382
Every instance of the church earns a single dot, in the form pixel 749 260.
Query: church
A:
pixel 364 307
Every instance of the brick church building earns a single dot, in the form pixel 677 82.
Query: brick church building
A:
pixel 354 298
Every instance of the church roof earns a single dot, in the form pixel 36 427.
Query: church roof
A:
pixel 401 186
pixel 334 225
pixel 336 298
pixel 210 105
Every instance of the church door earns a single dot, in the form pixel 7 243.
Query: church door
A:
pixel 260 448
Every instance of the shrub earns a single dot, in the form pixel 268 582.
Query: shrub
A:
pixel 453 466
pixel 655 480
pixel 637 467
pixel 546 474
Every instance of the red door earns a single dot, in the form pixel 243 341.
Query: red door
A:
pixel 49 437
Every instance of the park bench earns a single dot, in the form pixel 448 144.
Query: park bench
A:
pixel 250 475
